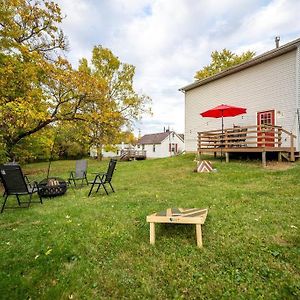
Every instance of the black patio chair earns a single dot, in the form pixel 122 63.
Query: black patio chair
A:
pixel 101 179
pixel 80 172
pixel 15 183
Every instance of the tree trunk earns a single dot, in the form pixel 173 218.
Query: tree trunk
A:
pixel 99 152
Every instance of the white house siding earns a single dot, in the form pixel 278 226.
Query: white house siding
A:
pixel 266 86
pixel 162 149
pixel 298 94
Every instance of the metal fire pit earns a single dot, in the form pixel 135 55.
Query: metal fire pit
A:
pixel 52 187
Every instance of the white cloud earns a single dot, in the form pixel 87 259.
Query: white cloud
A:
pixel 169 40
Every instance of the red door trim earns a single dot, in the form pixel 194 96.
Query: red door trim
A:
pixel 269 119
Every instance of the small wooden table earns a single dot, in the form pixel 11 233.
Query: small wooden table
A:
pixel 195 216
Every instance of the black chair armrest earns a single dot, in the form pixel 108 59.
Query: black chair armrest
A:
pixel 98 173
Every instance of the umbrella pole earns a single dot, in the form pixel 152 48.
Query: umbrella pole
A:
pixel 222 139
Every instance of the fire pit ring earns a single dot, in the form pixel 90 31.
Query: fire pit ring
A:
pixel 52 187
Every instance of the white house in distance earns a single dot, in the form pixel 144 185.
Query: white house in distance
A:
pixel 163 144
pixel 268 86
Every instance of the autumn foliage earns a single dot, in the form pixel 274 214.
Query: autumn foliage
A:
pixel 222 60
pixel 43 97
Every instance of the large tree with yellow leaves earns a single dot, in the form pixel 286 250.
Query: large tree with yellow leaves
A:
pixel 39 88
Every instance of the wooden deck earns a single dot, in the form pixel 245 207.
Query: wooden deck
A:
pixel 130 154
pixel 249 139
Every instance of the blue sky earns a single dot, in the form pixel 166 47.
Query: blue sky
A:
pixel 169 40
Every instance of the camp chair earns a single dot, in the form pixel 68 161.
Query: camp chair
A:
pixel 79 173
pixel 103 178
pixel 15 183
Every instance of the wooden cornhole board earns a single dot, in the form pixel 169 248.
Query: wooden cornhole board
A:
pixel 195 216
pixel 204 166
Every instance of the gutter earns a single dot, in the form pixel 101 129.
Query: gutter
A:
pixel 254 61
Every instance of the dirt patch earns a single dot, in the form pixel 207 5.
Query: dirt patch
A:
pixel 279 166
pixel 281 241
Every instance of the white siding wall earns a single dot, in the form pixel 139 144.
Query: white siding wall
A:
pixel 162 150
pixel 298 95
pixel 269 85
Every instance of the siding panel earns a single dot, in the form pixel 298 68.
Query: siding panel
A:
pixel 269 85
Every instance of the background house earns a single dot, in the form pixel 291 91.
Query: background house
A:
pixel 163 144
pixel 267 85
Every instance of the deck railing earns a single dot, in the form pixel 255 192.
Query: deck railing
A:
pixel 261 136
pixel 133 153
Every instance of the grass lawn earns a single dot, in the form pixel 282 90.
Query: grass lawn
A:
pixel 75 247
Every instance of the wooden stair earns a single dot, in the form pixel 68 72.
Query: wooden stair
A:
pixel 125 157
pixel 287 155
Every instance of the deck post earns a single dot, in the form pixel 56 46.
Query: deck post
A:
pixel 227 157
pixel 264 158
pixel 199 141
pixel 279 156
pixel 292 149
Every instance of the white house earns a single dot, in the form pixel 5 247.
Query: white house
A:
pixel 161 144
pixel 268 86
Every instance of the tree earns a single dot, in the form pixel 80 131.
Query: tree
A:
pixel 221 61
pixel 120 105
pixel 29 38
pixel 37 87
pixel 31 26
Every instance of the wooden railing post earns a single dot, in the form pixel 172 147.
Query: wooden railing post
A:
pixel 263 136
pixel 279 136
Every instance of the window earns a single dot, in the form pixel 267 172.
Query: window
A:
pixel 153 147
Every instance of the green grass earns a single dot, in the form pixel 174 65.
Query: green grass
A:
pixel 75 247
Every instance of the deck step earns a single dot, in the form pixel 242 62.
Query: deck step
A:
pixel 287 155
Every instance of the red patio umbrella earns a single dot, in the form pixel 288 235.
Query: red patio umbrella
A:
pixel 222 111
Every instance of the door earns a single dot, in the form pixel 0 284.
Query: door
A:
pixel 265 118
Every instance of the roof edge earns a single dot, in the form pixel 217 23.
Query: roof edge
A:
pixel 252 62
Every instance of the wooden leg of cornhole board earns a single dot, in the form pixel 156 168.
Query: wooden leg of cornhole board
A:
pixel 152 233
pixel 199 235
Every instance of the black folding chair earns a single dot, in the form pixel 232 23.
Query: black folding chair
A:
pixel 104 178
pixel 15 183
pixel 80 172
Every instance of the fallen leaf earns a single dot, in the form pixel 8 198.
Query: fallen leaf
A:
pixel 48 251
